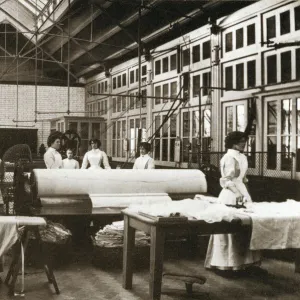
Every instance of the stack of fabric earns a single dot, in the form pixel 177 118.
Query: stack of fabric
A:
pixel 112 236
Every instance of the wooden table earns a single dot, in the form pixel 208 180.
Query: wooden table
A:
pixel 158 230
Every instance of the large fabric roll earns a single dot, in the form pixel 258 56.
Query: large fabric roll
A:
pixel 51 183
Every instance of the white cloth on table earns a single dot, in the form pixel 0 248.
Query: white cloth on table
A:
pixel 192 209
pixel 275 225
pixel 53 159
pixel 231 251
pixel 95 157
pixel 144 162
pixel 70 164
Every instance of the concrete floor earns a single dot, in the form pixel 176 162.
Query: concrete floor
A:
pixel 80 279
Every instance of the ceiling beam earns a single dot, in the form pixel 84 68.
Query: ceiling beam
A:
pixel 101 37
pixel 77 25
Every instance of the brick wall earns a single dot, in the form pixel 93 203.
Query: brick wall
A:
pixel 49 99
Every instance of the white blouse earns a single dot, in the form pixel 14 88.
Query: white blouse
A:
pixel 52 159
pixel 95 157
pixel 144 162
pixel 70 164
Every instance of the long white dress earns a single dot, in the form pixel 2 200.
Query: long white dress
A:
pixel 144 162
pixel 95 157
pixel 231 251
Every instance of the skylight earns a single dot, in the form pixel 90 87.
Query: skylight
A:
pixel 35 6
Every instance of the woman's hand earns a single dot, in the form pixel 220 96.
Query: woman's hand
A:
pixel 239 198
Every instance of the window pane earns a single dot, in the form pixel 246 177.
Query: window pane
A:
pixel 124 79
pixel 119 81
pixel 272 117
pixel 240 76
pixel 173 62
pixel 297 17
pixel 157 124
pixel 251 73
pixel 73 126
pixel 132 101
pixel 185 57
pixel 286 68
pixel 206 50
pixel 298 63
pixel 239 38
pixel 206 123
pixel 240 117
pixel 105 86
pixel 285 22
pixel 144 98
pixel 165 149
pixel 157 67
pixel 286 116
pixel 186 124
pixel 196 53
pixel 228 78
pixel 286 155
pixel 206 79
pixel 123 103
pixel 165 128
pixel 173 89
pixel 272 153
pixel 228 42
pixel 137 75
pixel 114 105
pixel 157 91
pixel 165 64
pixel 298 116
pixel 172 149
pixel 114 83
pixel 195 125
pixel 196 85
pixel 165 92
pixel 118 135
pixel 229 119
pixel 271 28
pixel 119 104
pixel 131 77
pixel 144 70
pixel 271 69
pixel 173 126
pixel 251 34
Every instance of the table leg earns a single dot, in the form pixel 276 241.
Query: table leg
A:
pixel 129 241
pixel 156 261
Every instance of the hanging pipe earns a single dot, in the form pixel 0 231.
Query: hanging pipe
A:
pixel 17 48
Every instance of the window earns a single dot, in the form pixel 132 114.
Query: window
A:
pixel 206 50
pixel 239 38
pixel 185 57
pixel 173 90
pixel 286 68
pixel 114 105
pixel 297 17
pixel 137 75
pixel 228 78
pixel 157 92
pixel 298 63
pixel 105 86
pixel 240 76
pixel 206 82
pixel 114 83
pixel 271 27
pixel 119 103
pixel 196 85
pixel 251 75
pixel 131 77
pixel 123 103
pixel 173 63
pixel 105 107
pixel 165 63
pixel 185 135
pixel 165 92
pixel 157 67
pixel 124 79
pixel 99 90
pixel 285 22
pixel 271 69
pixel 119 133
pixel 119 81
pixel 235 117
pixel 196 53
pixel 99 109
pixel 144 70
pixel 251 34
pixel 102 87
pixel 131 100
pixel 228 42
pixel 144 98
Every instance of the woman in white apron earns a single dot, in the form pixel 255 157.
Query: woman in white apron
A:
pixel 95 157
pixel 231 251
pixel 144 161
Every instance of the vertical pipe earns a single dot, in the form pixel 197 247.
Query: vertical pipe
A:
pixel 17 48
pixel 35 75
pixel 140 62
pixel 68 111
